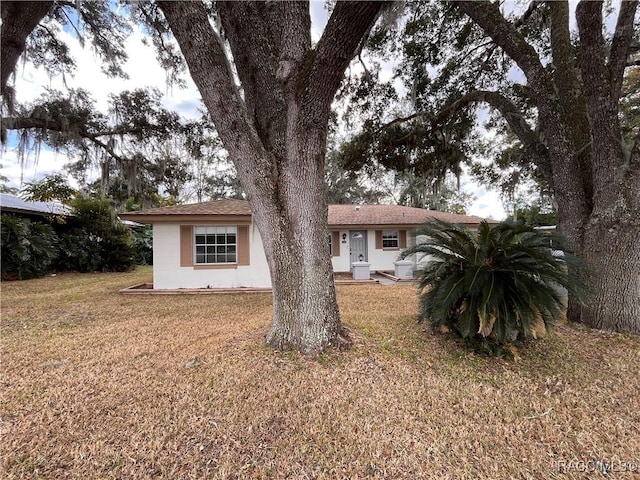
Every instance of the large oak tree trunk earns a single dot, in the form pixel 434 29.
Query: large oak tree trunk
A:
pixel 275 133
pixel 612 250
pixel 305 309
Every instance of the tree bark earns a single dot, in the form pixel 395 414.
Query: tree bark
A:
pixel 596 187
pixel 18 21
pixel 612 250
pixel 276 137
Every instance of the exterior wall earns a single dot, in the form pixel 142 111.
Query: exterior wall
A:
pixel 168 274
pixel 380 259
pixel 341 262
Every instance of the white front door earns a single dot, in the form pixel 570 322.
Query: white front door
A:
pixel 357 246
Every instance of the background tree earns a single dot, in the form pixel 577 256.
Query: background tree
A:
pixel 346 187
pixel 594 178
pixel 563 109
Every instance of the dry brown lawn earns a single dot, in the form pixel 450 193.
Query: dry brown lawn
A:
pixel 95 385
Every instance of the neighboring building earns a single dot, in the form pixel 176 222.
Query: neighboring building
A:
pixel 31 210
pixel 217 245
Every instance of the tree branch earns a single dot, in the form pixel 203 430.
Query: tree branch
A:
pixel 594 70
pixel 296 41
pixel 24 123
pixel 211 72
pixel 18 21
pixel 348 24
pixel 512 116
pixel 572 101
pixel 401 120
pixel 621 46
pixel 533 6
pixel 256 55
pixel 488 16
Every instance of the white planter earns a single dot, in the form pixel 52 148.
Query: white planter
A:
pixel 361 270
pixel 404 269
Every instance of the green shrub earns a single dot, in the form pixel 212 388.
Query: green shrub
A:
pixel 78 252
pixel 143 244
pixel 95 239
pixel 498 286
pixel 28 248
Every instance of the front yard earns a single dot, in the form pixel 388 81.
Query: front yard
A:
pixel 98 385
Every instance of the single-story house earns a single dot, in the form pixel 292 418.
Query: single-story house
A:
pixel 216 244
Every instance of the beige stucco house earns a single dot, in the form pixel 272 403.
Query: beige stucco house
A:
pixel 216 244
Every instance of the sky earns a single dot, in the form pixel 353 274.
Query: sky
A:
pixel 144 71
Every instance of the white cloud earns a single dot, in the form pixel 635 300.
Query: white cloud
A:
pixel 486 203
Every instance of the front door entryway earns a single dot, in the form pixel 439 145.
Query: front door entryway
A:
pixel 357 246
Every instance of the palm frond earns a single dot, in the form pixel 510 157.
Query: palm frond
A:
pixel 500 283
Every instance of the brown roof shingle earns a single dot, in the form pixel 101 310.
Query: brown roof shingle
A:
pixel 339 215
pixel 351 215
pixel 224 207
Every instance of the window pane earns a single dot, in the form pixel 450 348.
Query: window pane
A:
pixel 215 244
pixel 390 239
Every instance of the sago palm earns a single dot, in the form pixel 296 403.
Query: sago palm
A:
pixel 499 283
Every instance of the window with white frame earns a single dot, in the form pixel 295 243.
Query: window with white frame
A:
pixel 215 245
pixel 330 240
pixel 390 239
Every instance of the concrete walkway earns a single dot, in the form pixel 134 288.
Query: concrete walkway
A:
pixel 382 280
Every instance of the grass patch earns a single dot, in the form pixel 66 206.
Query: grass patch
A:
pixel 99 385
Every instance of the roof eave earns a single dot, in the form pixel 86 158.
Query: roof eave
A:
pixel 185 217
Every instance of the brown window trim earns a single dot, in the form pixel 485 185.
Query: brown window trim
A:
pixel 216 266
pixel 335 243
pixel 187 243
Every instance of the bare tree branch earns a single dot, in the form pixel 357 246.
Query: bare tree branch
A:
pixel 210 70
pixel 256 55
pixel 204 51
pixel 566 78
